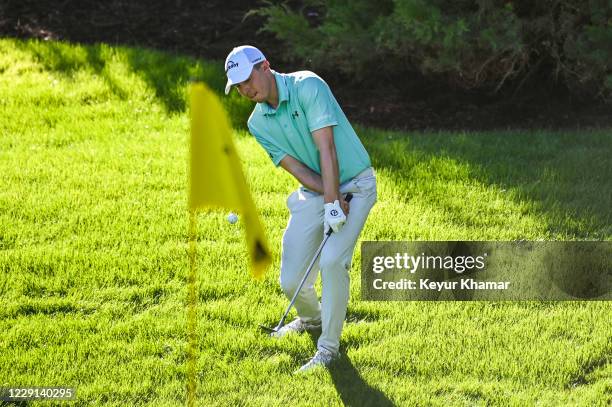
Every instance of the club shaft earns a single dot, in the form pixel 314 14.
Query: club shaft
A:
pixel 306 274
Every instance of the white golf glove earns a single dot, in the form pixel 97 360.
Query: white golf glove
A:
pixel 334 216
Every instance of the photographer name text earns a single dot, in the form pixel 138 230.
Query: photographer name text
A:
pixel 428 284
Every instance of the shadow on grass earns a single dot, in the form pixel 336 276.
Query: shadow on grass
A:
pixel 68 60
pixel 564 176
pixel 352 389
pixel 169 75
pixel 354 315
pixel 165 74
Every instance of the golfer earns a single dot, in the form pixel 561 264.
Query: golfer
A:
pixel 299 123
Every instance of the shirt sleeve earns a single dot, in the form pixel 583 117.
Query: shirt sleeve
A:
pixel 317 102
pixel 274 152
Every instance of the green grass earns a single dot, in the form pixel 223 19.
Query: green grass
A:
pixel 93 252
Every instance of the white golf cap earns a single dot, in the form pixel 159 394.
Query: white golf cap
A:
pixel 239 64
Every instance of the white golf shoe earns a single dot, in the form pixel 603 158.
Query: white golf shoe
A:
pixel 323 358
pixel 297 326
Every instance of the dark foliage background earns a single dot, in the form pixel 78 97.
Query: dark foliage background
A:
pixel 202 28
pixel 486 45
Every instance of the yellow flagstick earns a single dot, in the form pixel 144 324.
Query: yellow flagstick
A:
pixel 216 180
pixel 192 317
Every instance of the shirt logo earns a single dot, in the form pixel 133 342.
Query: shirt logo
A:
pixel 230 65
pixel 295 114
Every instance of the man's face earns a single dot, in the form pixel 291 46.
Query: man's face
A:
pixel 257 87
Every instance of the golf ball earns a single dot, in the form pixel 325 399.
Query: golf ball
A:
pixel 232 218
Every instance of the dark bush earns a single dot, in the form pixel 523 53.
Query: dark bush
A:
pixel 482 44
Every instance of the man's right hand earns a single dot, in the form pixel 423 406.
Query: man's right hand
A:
pixel 344 205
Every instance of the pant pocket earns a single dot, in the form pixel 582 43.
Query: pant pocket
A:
pixel 366 185
pixel 291 201
pixel 304 200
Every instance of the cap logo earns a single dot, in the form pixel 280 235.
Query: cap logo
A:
pixel 230 65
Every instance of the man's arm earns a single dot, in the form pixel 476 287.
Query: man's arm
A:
pixel 327 183
pixel 324 139
pixel 302 173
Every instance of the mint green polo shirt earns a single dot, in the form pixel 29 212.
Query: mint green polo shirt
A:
pixel 306 104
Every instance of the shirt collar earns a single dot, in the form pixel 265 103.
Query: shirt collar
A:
pixel 283 94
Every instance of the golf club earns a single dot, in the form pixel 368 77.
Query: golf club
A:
pixel 347 198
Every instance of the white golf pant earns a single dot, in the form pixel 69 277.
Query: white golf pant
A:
pixel 301 239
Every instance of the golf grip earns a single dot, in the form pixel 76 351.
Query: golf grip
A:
pixel 347 198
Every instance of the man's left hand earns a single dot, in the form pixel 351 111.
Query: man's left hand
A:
pixel 334 216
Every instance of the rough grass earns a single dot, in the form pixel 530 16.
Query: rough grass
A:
pixel 93 252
